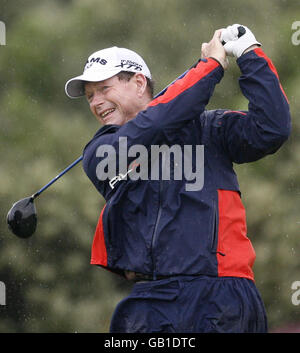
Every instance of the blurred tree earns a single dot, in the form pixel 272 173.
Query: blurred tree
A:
pixel 50 285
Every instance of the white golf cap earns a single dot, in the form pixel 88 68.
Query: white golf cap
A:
pixel 104 64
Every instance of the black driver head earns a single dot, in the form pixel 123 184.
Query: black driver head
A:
pixel 22 218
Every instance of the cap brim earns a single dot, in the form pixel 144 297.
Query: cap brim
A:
pixel 74 88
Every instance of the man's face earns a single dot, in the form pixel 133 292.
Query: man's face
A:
pixel 112 101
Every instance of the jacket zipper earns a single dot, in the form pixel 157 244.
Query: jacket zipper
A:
pixel 154 236
pixel 214 232
pixel 106 225
pixel 214 226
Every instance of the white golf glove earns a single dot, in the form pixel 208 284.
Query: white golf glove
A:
pixel 236 39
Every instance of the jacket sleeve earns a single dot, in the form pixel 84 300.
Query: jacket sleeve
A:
pixel 251 135
pixel 182 101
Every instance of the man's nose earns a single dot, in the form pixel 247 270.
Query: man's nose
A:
pixel 97 100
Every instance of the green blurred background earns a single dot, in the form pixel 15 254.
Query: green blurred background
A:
pixel 50 285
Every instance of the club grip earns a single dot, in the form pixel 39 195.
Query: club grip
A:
pixel 241 32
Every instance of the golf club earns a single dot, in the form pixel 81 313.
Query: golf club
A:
pixel 22 217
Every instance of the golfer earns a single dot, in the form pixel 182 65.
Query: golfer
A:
pixel 187 252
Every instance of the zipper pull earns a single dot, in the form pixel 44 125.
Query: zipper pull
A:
pixel 218 252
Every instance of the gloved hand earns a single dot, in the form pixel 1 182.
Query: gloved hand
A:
pixel 236 39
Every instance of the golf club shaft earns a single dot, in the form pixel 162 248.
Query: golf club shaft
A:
pixel 57 177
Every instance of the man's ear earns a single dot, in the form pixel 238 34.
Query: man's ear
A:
pixel 141 84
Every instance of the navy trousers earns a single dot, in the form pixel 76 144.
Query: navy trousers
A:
pixel 191 304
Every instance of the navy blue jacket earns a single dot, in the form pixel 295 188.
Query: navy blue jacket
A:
pixel 159 228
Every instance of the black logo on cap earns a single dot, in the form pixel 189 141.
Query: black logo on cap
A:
pixel 128 64
pixel 90 62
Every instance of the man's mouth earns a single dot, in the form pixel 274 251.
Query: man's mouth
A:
pixel 106 112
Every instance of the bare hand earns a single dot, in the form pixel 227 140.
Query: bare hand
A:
pixel 214 49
